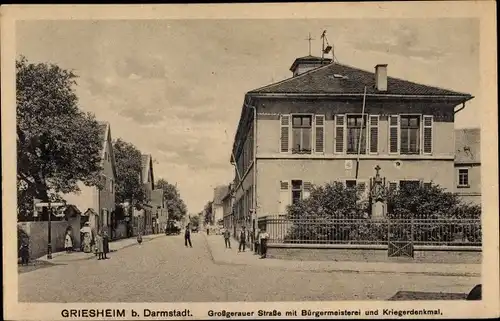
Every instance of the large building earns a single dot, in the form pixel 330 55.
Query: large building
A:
pixel 98 205
pixel 312 129
pixel 468 164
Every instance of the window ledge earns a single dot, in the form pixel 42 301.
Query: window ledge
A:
pixel 463 186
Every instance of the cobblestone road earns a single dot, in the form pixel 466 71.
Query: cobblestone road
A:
pixel 163 270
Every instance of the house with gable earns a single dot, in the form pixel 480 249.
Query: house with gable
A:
pixel 220 192
pixel 312 129
pixel 98 205
pixel 147 179
pixel 468 164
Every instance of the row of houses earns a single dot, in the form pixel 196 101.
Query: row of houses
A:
pixel 333 122
pixel 99 208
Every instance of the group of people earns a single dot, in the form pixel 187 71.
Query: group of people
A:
pixel 99 243
pixel 259 239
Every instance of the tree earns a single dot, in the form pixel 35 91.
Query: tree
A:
pixel 57 144
pixel 128 172
pixel 312 217
pixel 207 210
pixel 335 213
pixel 194 221
pixel 175 205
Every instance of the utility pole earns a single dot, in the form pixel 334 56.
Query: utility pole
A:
pixel 49 244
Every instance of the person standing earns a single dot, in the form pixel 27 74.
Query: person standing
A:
pixel 139 238
pixel 24 252
pixel 68 242
pixel 86 232
pixel 187 236
pixel 243 239
pixel 99 245
pixel 257 241
pixel 263 243
pixel 105 244
pixel 227 238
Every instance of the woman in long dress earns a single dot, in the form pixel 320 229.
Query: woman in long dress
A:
pixel 87 238
pixel 68 242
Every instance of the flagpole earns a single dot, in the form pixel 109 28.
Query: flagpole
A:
pixel 361 132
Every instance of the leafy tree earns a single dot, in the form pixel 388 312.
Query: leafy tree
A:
pixel 57 144
pixel 194 220
pixel 326 216
pixel 312 217
pixel 128 168
pixel 175 205
pixel 207 210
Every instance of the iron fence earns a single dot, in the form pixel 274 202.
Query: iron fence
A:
pixel 432 232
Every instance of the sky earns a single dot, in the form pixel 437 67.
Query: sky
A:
pixel 174 88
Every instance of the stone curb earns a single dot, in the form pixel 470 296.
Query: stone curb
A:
pixel 332 270
pixel 91 255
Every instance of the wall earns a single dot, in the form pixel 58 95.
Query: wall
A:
pixel 218 213
pixel 38 233
pixel 472 193
pixel 321 171
pixel 367 255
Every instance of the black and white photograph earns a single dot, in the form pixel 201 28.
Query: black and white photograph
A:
pixel 204 158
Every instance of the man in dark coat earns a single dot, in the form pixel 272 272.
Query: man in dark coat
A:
pixel 187 236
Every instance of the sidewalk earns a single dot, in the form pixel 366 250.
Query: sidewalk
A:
pixel 63 257
pixel 221 255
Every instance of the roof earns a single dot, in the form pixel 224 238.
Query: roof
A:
pixel 219 193
pixel 146 164
pixel 467 146
pixel 104 133
pixel 309 59
pixel 341 79
pixel 157 197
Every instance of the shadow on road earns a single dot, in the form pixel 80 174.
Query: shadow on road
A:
pixel 35 265
pixel 414 295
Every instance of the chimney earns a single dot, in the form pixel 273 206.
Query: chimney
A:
pixel 381 77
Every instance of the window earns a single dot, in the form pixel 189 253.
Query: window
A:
pixel 463 177
pixel 409 185
pixel 301 134
pixel 296 191
pixel 356 130
pixel 339 134
pixel 410 134
pixel 350 183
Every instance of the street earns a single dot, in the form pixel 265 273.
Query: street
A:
pixel 163 270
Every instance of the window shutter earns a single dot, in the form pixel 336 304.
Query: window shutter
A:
pixel 285 133
pixel 393 186
pixel 393 134
pixel 373 134
pixel 319 125
pixel 428 122
pixel 284 196
pixel 339 133
pixel 307 189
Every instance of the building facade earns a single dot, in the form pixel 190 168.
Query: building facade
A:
pixel 99 204
pixel 220 192
pixel 468 164
pixel 337 123
pixel 147 178
pixel 160 213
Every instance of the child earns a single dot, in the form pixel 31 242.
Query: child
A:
pixel 99 246
pixel 139 238
pixel 68 242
